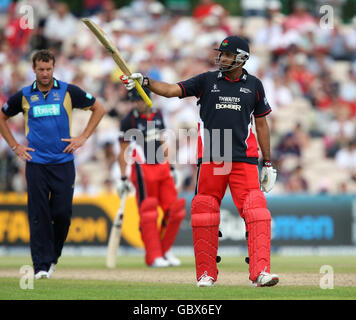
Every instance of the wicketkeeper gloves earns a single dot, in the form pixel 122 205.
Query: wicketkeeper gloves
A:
pixel 268 176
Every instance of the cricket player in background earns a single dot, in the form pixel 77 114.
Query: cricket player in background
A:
pixel 152 178
pixel 230 100
pixel 47 106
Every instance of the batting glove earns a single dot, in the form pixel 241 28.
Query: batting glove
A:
pixel 129 82
pixel 124 186
pixel 268 176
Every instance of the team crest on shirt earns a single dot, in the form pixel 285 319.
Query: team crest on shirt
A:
pixel 56 96
pixel 215 88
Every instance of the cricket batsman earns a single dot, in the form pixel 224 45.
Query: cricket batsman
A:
pixel 231 101
pixel 152 177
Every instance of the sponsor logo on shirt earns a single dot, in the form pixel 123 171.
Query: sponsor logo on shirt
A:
pixel 245 90
pixel 229 103
pixel 228 106
pixel 215 88
pixel 34 98
pixel 46 110
pixel 153 134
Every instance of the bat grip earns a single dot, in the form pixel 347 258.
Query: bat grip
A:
pixel 143 94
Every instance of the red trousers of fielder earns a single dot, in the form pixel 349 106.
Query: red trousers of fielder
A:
pixel 212 181
pixel 155 187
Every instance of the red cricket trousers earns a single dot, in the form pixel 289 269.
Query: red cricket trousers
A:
pixel 241 177
pixel 154 181
pixel 155 187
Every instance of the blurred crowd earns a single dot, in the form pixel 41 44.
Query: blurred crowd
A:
pixel 296 59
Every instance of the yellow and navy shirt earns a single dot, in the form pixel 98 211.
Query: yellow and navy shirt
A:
pixel 48 118
pixel 227 108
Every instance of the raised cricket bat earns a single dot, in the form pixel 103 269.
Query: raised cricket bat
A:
pixel 115 235
pixel 111 48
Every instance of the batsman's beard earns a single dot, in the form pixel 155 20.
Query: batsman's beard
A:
pixel 223 67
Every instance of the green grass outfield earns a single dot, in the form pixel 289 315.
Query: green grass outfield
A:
pixel 121 289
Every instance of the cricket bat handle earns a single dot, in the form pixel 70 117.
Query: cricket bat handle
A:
pixel 143 94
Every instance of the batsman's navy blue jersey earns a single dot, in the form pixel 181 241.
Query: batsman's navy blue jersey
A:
pixel 145 131
pixel 227 108
pixel 48 118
